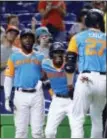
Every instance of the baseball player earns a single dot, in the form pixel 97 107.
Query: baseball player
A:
pixel 90 89
pixel 61 104
pixel 24 72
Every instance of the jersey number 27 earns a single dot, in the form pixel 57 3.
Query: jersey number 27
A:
pixel 91 47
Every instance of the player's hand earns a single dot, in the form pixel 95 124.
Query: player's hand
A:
pixel 85 79
pixel 70 86
pixel 7 105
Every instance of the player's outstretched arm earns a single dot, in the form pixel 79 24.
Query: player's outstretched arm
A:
pixel 8 83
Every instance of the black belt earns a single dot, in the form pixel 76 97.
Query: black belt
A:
pixel 63 96
pixel 25 90
pixel 86 71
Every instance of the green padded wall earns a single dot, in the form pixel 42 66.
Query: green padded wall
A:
pixel 8 130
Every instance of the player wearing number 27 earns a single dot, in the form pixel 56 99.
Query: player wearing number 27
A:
pixel 89 47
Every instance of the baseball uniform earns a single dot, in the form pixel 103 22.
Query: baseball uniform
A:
pixel 90 45
pixel 29 102
pixel 61 104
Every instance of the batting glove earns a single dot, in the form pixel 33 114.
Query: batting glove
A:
pixel 7 105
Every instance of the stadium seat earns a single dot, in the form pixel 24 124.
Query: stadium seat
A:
pixel 68 25
pixel 37 16
pixel 70 17
pixel 26 9
pixel 25 17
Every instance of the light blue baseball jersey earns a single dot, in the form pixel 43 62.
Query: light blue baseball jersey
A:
pixel 57 78
pixel 25 69
pixel 90 45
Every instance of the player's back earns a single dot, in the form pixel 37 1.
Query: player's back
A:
pixel 92 50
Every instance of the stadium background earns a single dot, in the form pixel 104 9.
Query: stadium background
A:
pixel 25 11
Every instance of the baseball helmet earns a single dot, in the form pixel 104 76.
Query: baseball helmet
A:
pixel 93 18
pixel 55 47
pixel 27 31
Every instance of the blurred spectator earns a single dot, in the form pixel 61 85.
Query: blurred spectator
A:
pixel 44 40
pixel 80 25
pixel 2 34
pixel 53 13
pixel 6 48
pixel 99 5
pixel 13 19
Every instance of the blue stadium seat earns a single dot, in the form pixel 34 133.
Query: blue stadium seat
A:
pixel 2 18
pixel 37 25
pixel 28 9
pixel 70 17
pixel 4 25
pixel 37 16
pixel 25 18
pixel 68 24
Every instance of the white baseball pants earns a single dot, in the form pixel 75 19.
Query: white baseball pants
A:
pixel 59 108
pixel 29 109
pixel 87 95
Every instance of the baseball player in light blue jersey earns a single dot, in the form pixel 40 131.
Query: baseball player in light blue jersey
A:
pixel 24 73
pixel 90 89
pixel 61 104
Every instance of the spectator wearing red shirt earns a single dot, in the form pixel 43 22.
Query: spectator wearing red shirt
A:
pixel 53 13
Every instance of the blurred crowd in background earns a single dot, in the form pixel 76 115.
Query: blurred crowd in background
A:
pixel 62 19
